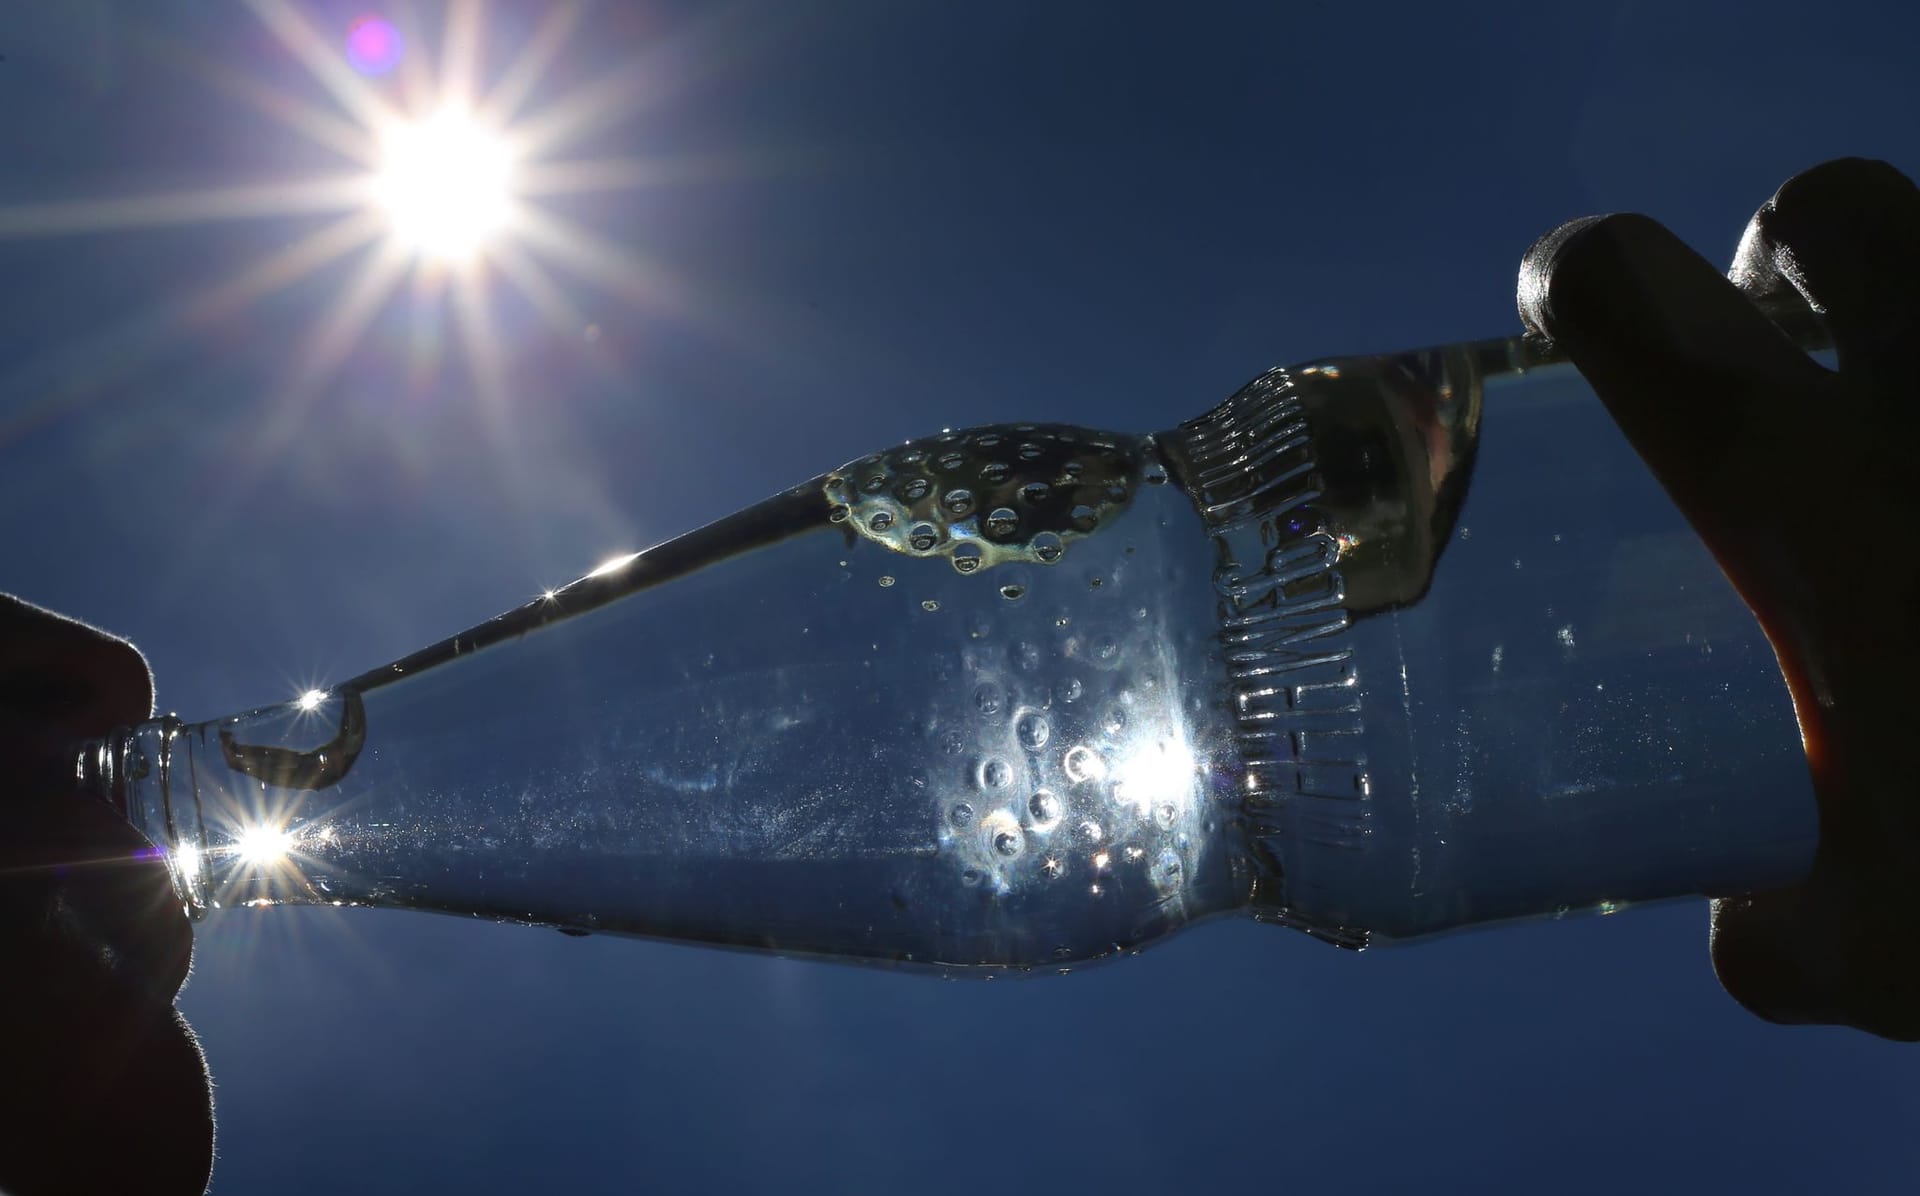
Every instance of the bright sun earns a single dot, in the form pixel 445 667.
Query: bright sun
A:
pixel 450 160
pixel 445 183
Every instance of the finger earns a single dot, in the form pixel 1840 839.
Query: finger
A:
pixel 106 1090
pixel 1836 950
pixel 1844 235
pixel 61 682
pixel 1683 360
pixel 81 681
pixel 74 870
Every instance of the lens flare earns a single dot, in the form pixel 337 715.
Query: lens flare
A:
pixel 373 45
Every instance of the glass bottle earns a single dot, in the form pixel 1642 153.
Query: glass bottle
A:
pixel 1377 648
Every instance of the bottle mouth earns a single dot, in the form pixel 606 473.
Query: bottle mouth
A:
pixel 132 771
pixel 94 772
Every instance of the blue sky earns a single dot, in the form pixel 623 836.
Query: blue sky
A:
pixel 844 225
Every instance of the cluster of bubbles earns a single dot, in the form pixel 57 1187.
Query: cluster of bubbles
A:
pixel 991 495
pixel 1057 698
pixel 1045 805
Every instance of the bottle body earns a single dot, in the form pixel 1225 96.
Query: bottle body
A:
pixel 1377 648
pixel 944 707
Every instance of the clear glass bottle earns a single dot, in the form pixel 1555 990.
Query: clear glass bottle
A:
pixel 1377 648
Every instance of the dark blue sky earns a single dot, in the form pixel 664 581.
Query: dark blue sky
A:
pixel 868 221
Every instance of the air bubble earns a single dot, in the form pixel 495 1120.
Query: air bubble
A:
pixel 1106 648
pixel 1002 522
pixel 1082 763
pixel 987 699
pixel 1084 518
pixel 886 579
pixel 953 743
pixel 997 472
pixel 910 457
pixel 913 490
pixel 923 537
pixel 1045 809
pixel 930 605
pixel 1053 868
pixel 1091 832
pixel 1031 451
pixel 971 878
pixel 881 521
pixel 961 814
pixel 1036 492
pixel 1164 814
pixel 966 558
pixel 1009 842
pixel 995 773
pixel 988 440
pixel 838 513
pixel 1033 730
pixel 1069 691
pixel 1013 593
pixel 958 501
pixel 875 484
pixel 951 461
pixel 1154 474
pixel 1027 656
pixel 1114 721
pixel 1048 547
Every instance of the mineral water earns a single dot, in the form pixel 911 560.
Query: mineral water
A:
pixel 1377 648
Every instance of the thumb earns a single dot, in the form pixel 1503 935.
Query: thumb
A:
pixel 1682 359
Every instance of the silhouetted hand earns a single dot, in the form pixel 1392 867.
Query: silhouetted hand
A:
pixel 1800 480
pixel 102 1086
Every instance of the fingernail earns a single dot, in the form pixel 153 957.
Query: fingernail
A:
pixel 1625 280
pixel 1536 269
